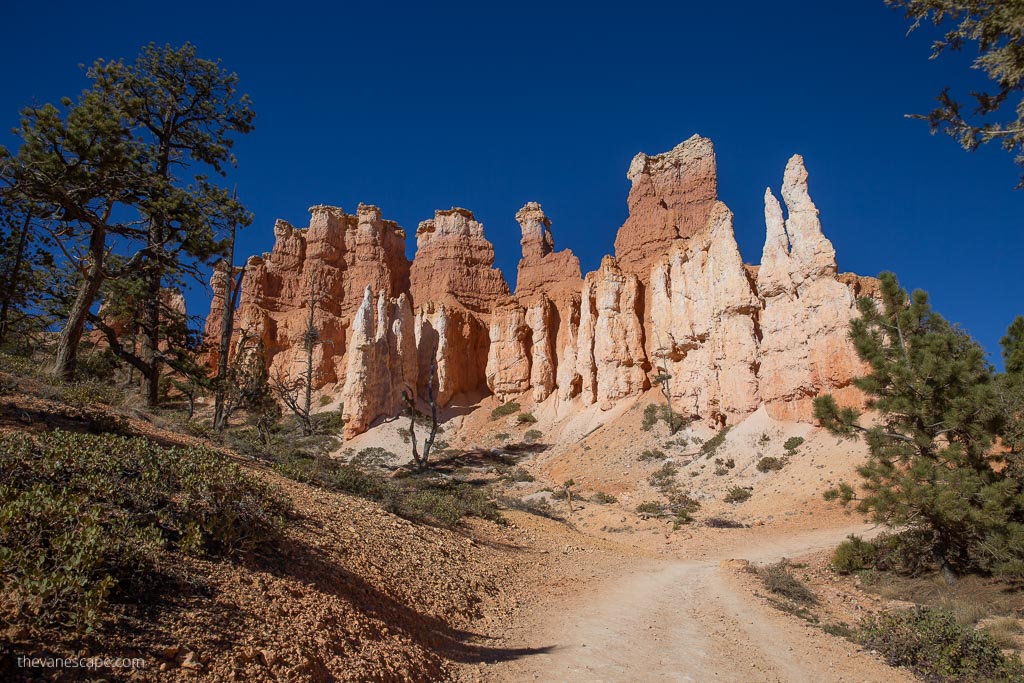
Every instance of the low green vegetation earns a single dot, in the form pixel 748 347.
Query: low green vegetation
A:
pixel 664 476
pixel 603 498
pixel 526 419
pixel 934 646
pixel 532 436
pixel 770 464
pixel 793 443
pixel 737 495
pixel 81 515
pixel 651 454
pixel 654 412
pixel 505 409
pixel 710 446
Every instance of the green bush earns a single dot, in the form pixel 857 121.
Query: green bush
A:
pixel 90 392
pixel 664 476
pixel 505 410
pixel 448 504
pixel 793 443
pixel 654 412
pixel 770 464
pixel 519 474
pixel 853 555
pixel 650 417
pixel 532 436
pixel 80 514
pixel 603 498
pixel 374 456
pixel 526 419
pixel 651 455
pixel 502 436
pixel 780 580
pixel 737 495
pixel 932 644
pixel 711 445
pixel 652 508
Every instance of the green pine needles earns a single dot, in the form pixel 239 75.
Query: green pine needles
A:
pixel 933 464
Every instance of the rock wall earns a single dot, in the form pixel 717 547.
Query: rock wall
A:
pixel 382 360
pixel 807 307
pixel 676 297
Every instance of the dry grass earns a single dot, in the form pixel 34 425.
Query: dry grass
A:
pixel 971 600
pixel 1005 631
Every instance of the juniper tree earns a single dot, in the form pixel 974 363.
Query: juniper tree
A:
pixel 1010 395
pixel 997 27
pixel 932 466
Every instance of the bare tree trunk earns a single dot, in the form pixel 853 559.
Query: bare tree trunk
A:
pixel 66 359
pixel 227 324
pixel 310 338
pixel 10 284
pixel 151 340
pixel 421 461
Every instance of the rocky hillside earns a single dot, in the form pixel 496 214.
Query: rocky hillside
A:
pixel 676 296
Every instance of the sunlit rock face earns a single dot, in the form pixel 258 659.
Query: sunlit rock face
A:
pixel 807 307
pixel 675 299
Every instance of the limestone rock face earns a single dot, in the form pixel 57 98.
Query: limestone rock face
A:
pixel 703 316
pixel 454 264
pixel 677 298
pixel 805 350
pixel 460 341
pixel 382 360
pixel 610 353
pixel 672 197
pixel 527 331
pixel 334 260
pixel 542 270
pixel 509 356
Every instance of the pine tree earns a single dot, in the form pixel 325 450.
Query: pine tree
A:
pixel 932 466
pixel 124 170
pixel 998 29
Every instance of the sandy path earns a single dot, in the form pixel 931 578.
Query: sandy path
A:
pixel 689 621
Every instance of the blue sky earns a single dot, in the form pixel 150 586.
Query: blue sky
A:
pixel 490 105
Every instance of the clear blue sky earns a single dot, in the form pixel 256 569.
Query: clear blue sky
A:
pixel 489 105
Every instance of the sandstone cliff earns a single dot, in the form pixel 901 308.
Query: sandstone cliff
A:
pixel 676 297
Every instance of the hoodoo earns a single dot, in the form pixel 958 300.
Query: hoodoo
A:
pixel 676 295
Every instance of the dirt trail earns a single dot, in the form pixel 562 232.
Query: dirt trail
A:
pixel 689 621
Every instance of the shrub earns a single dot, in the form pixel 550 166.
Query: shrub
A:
pixel 526 419
pixel 91 391
pixel 711 445
pixel 651 455
pixel 505 410
pixel 737 495
pixel 650 417
pixel 664 476
pixel 654 412
pixel 374 456
pixel 80 514
pixel 325 399
pixel 778 579
pixel 853 555
pixel 603 498
pixel 723 523
pixel 932 644
pixel 681 442
pixel 519 474
pixel 793 443
pixel 650 508
pixel 502 436
pixel 449 503
pixel 532 436
pixel 770 464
